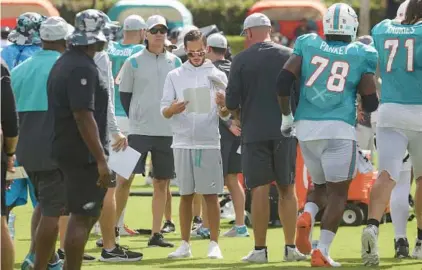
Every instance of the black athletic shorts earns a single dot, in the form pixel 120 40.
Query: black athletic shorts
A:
pixel 3 189
pixel 161 155
pixel 267 161
pixel 50 191
pixel 83 196
pixel 232 163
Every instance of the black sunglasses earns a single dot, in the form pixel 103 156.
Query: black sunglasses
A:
pixel 156 30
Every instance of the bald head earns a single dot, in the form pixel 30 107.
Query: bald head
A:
pixel 258 34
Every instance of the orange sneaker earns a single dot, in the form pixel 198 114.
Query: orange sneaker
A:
pixel 303 231
pixel 318 259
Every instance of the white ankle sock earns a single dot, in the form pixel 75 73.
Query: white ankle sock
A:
pixel 312 209
pixel 325 240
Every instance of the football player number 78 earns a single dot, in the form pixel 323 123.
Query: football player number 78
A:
pixel 337 77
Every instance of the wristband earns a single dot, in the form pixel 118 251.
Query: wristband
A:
pixel 287 119
pixel 10 154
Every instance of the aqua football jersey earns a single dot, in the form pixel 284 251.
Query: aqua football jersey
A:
pixel 400 61
pixel 118 54
pixel 330 74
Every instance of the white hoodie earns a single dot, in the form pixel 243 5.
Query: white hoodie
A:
pixel 193 130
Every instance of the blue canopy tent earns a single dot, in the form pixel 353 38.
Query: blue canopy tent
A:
pixel 176 14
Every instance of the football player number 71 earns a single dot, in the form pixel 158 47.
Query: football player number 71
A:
pixel 337 77
pixel 393 46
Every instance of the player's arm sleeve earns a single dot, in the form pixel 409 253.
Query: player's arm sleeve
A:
pixel 234 87
pixel 169 95
pixel 81 89
pixel 127 74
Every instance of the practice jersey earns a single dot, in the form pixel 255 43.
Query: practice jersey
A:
pixel 14 54
pixel 118 54
pixel 400 61
pixel 330 74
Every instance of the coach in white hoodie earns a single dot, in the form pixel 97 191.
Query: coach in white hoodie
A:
pixel 196 138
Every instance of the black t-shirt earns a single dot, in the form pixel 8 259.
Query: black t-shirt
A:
pixel 226 134
pixel 253 88
pixel 9 118
pixel 74 85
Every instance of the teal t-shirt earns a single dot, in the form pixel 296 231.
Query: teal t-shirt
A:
pixel 29 81
pixel 118 54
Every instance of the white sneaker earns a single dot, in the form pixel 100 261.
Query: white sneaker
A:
pixel 417 252
pixel 184 251
pixel 293 255
pixel 214 251
pixel 369 251
pixel 256 256
pixel 148 181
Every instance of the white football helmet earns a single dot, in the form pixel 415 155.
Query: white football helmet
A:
pixel 341 19
pixel 401 12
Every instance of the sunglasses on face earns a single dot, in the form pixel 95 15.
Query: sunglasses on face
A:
pixel 193 54
pixel 156 30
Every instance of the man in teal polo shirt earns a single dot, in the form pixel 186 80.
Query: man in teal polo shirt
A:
pixel 29 83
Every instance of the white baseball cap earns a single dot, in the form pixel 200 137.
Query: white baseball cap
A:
pixel 217 40
pixel 168 43
pixel 133 23
pixel 401 11
pixel 255 20
pixel 55 28
pixel 155 20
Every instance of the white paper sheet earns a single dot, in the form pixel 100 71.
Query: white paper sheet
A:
pixel 124 162
pixel 199 100
pixel 18 174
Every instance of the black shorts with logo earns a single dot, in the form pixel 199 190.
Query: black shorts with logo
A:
pixel 84 196
pixel 50 192
pixel 161 155
pixel 267 161
pixel 232 163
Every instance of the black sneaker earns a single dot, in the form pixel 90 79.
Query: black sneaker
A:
pixel 401 248
pixel 120 254
pixel 87 258
pixel 168 227
pixel 157 240
pixel 197 223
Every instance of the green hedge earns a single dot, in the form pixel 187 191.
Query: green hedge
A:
pixel 237 43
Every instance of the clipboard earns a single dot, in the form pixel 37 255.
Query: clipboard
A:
pixel 19 173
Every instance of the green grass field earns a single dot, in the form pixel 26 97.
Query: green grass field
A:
pixel 345 249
